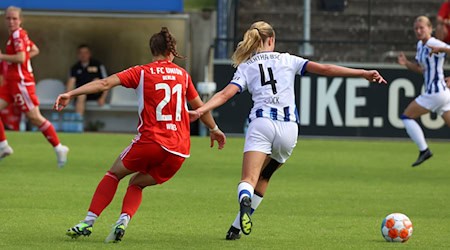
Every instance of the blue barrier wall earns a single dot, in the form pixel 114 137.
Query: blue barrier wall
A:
pixel 98 5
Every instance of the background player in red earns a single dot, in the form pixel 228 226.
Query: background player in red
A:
pixel 20 84
pixel 163 140
pixel 443 22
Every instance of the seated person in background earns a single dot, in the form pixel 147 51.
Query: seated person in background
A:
pixel 443 22
pixel 82 72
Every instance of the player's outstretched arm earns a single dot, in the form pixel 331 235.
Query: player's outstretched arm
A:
pixel 214 132
pixel 89 88
pixel 217 100
pixel 436 50
pixel 334 70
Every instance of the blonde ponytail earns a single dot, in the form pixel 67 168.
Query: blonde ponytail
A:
pixel 253 41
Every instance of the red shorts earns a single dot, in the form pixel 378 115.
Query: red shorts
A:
pixel 22 95
pixel 152 159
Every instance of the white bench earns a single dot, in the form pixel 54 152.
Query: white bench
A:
pixel 119 115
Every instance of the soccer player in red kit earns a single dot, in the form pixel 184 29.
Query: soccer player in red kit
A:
pixel 20 87
pixel 163 139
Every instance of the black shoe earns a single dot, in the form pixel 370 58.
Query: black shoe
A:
pixel 246 220
pixel 423 156
pixel 233 234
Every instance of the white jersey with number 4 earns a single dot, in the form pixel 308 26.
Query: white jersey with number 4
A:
pixel 269 77
pixel 432 65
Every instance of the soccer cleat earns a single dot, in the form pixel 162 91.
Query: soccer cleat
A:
pixel 246 220
pixel 5 151
pixel 80 229
pixel 117 232
pixel 423 156
pixel 61 155
pixel 233 234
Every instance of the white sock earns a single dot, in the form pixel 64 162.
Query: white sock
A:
pixel 125 218
pixel 244 189
pixel 90 218
pixel 3 143
pixel 58 147
pixel 415 133
pixel 256 200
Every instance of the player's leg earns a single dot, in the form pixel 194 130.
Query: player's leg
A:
pixel 102 197
pixel 46 127
pixel 5 149
pixel 281 148
pixel 412 112
pixel 270 166
pixel 80 104
pixel 130 204
pixel 446 117
pixel 155 166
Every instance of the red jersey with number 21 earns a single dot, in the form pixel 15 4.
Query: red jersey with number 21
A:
pixel 162 89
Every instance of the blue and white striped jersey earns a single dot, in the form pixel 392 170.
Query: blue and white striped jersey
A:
pixel 432 65
pixel 269 77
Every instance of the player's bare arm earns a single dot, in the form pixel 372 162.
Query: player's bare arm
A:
pixel 402 60
pixel 217 100
pixel 334 70
pixel 214 132
pixel 34 51
pixel 19 57
pixel 89 88
pixel 436 50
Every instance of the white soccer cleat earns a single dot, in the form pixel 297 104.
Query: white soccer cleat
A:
pixel 5 151
pixel 61 155
pixel 117 232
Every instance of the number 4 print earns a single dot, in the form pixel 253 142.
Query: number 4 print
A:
pixel 271 81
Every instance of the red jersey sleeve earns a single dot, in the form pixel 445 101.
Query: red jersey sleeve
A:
pixel 191 92
pixel 130 77
pixel 444 11
pixel 19 41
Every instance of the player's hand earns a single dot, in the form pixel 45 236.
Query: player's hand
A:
pixel 61 102
pixel 218 136
pixel 194 115
pixel 447 80
pixel 434 50
pixel 374 76
pixel 402 60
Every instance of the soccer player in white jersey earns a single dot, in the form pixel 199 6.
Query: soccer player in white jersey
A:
pixel 273 129
pixel 436 97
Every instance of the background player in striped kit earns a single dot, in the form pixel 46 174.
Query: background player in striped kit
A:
pixel 20 85
pixel 436 97
pixel 163 140
pixel 273 129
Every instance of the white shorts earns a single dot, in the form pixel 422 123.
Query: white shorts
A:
pixel 435 102
pixel 275 138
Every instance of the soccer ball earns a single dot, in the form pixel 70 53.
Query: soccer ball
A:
pixel 396 227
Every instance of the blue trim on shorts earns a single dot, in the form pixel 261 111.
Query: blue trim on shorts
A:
pixel 273 114
pixel 259 113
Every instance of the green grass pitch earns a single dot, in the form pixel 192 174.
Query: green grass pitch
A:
pixel 331 194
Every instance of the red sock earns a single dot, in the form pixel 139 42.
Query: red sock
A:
pixel 49 132
pixel 132 200
pixel 2 131
pixel 104 193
